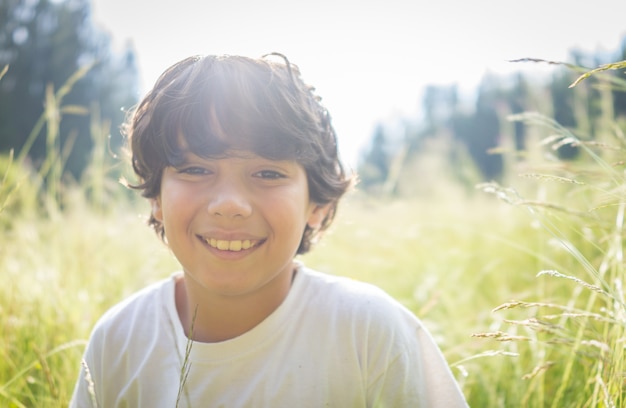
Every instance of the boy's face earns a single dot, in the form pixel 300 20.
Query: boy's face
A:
pixel 235 223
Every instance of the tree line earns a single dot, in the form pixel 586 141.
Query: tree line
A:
pixel 479 132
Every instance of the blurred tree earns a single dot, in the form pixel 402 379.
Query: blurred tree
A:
pixel 591 96
pixel 563 108
pixel 374 168
pixel 619 95
pixel 480 131
pixel 486 137
pixel 44 42
pixel 438 104
pixel 518 103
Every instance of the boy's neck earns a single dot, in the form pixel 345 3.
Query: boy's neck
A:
pixel 221 318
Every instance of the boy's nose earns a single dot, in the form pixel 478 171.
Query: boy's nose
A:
pixel 229 202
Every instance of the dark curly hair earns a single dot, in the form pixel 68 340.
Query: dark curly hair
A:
pixel 214 104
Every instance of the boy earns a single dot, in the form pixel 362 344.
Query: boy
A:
pixel 239 161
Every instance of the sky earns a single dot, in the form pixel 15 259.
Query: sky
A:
pixel 369 60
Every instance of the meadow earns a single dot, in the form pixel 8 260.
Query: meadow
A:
pixel 521 285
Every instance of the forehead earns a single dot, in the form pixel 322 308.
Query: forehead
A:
pixel 216 130
pixel 209 139
pixel 214 143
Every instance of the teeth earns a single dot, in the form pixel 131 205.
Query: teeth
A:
pixel 224 245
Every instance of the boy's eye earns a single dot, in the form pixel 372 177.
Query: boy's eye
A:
pixel 193 170
pixel 269 174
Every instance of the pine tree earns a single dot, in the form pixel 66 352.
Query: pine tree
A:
pixel 44 42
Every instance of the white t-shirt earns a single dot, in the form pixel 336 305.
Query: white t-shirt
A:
pixel 333 342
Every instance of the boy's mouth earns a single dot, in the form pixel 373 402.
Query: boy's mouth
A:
pixel 234 245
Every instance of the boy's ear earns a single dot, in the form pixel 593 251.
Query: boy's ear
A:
pixel 157 213
pixel 318 215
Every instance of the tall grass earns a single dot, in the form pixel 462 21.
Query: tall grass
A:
pixel 525 297
pixel 68 251
pixel 574 327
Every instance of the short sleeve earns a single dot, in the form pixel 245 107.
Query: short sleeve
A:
pixel 406 367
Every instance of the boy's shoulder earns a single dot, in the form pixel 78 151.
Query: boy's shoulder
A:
pixel 353 298
pixel 342 285
pixel 345 286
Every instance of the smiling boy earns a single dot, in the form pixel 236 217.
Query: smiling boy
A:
pixel 239 161
pixel 234 224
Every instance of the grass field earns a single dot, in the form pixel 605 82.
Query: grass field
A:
pixel 523 290
pixel 452 262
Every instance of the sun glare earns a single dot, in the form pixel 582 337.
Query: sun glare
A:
pixel 370 60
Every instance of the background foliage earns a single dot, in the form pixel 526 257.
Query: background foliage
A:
pixel 43 43
pixel 474 134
